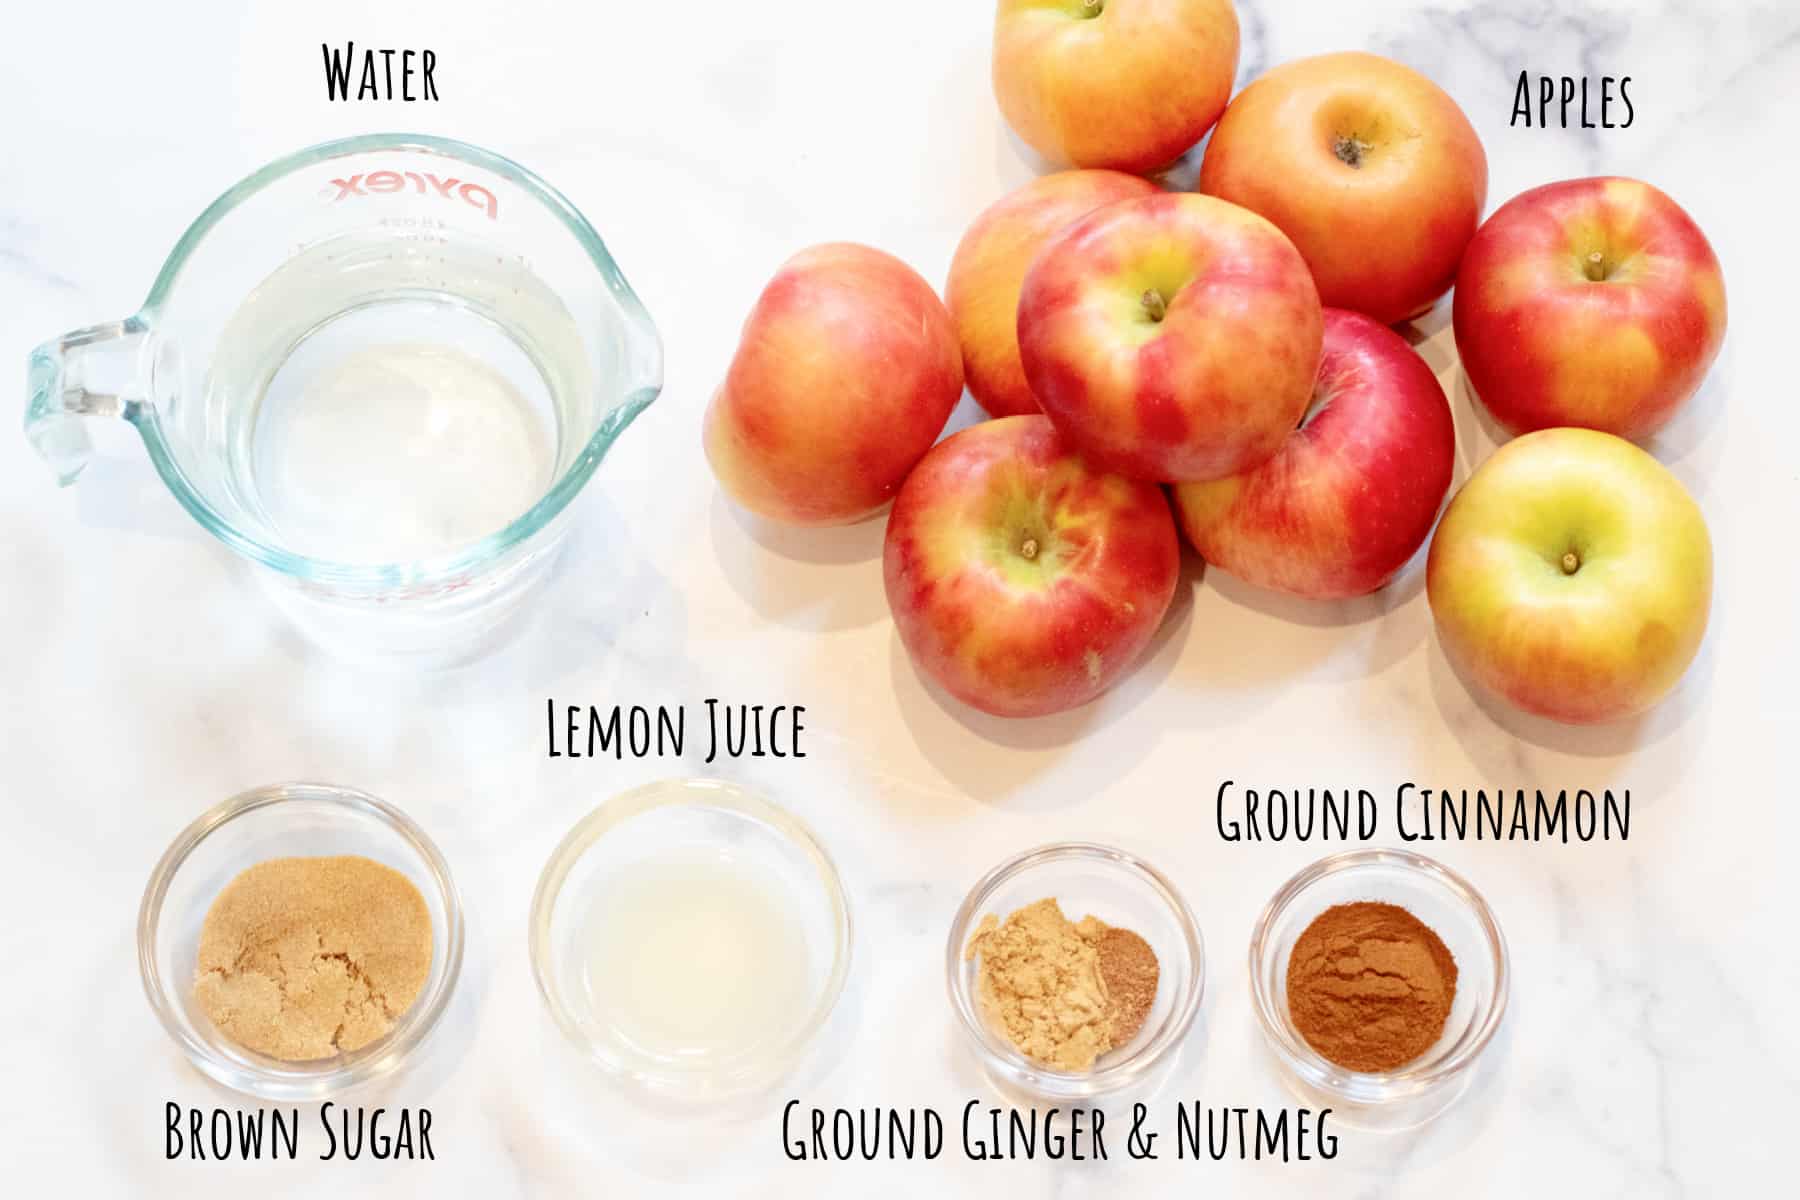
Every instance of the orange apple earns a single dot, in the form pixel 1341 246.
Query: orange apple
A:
pixel 1173 338
pixel 1021 579
pixel 846 372
pixel 1369 167
pixel 1591 302
pixel 989 269
pixel 1352 494
pixel 1572 576
pixel 1129 84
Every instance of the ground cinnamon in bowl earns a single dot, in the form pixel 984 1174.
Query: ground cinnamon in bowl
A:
pixel 1370 986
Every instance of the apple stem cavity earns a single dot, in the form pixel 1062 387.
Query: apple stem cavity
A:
pixel 1571 562
pixel 1321 400
pixel 1350 149
pixel 1155 305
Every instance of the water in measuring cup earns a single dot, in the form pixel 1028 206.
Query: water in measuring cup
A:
pixel 394 400
pixel 376 445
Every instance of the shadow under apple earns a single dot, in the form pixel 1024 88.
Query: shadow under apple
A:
pixel 998 760
pixel 824 578
pixel 1693 442
pixel 1658 745
pixel 1252 640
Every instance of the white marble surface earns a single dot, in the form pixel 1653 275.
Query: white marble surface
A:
pixel 1650 1050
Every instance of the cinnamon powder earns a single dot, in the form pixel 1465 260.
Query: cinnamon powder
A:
pixel 1370 986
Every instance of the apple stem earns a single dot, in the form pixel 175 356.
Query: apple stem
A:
pixel 1596 267
pixel 1155 305
pixel 1092 7
pixel 1029 549
pixel 1571 562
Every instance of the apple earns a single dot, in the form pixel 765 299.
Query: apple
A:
pixel 1172 338
pixel 845 374
pixel 1128 84
pixel 1572 576
pixel 989 269
pixel 1369 167
pixel 1351 494
pixel 1591 302
pixel 1022 579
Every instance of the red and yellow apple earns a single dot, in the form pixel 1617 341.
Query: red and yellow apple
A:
pixel 1369 167
pixel 1173 338
pixel 1128 84
pixel 989 269
pixel 1572 576
pixel 1591 302
pixel 847 370
pixel 1351 494
pixel 1021 579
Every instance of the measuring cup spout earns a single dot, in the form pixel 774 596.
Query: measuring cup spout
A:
pixel 93 372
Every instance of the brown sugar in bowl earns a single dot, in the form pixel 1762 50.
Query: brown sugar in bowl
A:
pixel 286 821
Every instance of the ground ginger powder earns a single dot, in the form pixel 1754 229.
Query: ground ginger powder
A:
pixel 305 958
pixel 1043 983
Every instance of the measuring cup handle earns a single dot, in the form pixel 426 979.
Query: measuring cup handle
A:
pixel 92 372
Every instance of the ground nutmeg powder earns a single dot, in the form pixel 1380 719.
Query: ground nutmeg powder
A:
pixel 1370 986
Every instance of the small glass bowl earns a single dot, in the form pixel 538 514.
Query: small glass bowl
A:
pixel 1443 900
pixel 1120 889
pixel 285 821
pixel 684 816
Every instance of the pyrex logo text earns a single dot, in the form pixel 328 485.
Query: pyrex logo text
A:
pixel 426 184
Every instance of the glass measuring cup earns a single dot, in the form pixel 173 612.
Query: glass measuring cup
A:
pixel 379 369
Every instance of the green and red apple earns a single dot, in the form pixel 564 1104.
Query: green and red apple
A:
pixel 1172 338
pixel 1127 84
pixel 1022 579
pixel 1369 167
pixel 846 372
pixel 1572 576
pixel 1591 302
pixel 1351 494
pixel 989 270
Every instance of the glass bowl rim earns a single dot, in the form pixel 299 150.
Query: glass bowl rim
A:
pixel 745 1070
pixel 1113 1076
pixel 1407 1081
pixel 295 1081
pixel 645 343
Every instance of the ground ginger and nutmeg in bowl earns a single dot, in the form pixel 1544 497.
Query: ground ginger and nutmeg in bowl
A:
pixel 1076 971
